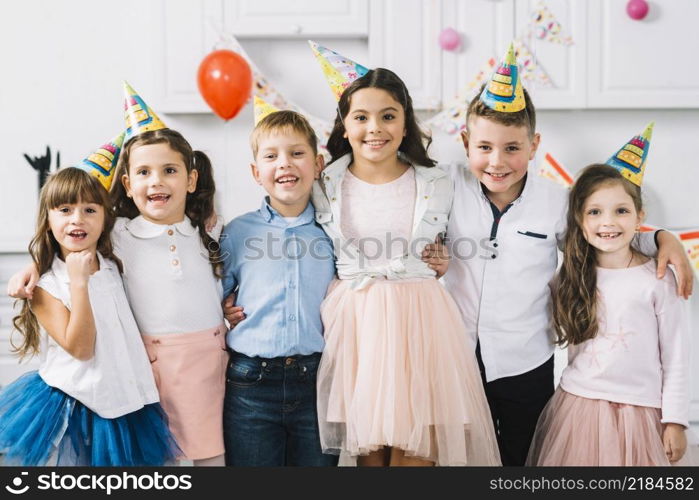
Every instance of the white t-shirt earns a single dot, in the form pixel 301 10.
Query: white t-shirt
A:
pixel 167 276
pixel 118 379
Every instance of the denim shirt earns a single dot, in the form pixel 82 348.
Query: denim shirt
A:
pixel 434 195
pixel 281 271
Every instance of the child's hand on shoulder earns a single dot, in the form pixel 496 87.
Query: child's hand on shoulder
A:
pixel 233 314
pixel 674 441
pixel 79 266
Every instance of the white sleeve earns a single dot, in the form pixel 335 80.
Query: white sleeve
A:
pixel 645 242
pixel 51 285
pixel 215 232
pixel 673 333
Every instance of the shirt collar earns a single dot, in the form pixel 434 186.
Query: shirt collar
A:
pixel 142 228
pixel 525 189
pixel 268 214
pixel 60 270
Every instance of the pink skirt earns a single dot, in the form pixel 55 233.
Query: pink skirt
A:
pixel 190 372
pixel 399 370
pixel 573 430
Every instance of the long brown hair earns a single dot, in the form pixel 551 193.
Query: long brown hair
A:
pixel 575 289
pixel 415 143
pixel 68 186
pixel 199 204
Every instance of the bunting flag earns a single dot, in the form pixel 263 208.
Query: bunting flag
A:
pixel 545 26
pixel 452 120
pixel 690 240
pixel 532 72
pixel 647 228
pixel 554 171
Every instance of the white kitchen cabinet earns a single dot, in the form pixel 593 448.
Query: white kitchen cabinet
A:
pixel 614 62
pixel 486 29
pixel 186 31
pixel 403 38
pixel 646 64
pixel 300 18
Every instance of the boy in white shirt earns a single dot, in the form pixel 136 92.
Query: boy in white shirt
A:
pixel 504 233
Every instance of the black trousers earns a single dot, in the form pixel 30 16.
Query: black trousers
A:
pixel 515 405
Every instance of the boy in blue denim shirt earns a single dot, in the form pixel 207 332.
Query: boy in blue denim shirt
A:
pixel 280 263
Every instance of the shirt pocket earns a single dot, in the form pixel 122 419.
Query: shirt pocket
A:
pixel 536 234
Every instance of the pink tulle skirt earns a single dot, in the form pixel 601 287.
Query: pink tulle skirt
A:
pixel 573 430
pixel 399 370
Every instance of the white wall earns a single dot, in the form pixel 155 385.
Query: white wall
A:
pixel 63 63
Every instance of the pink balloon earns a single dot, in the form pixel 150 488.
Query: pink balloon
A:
pixel 449 39
pixel 637 9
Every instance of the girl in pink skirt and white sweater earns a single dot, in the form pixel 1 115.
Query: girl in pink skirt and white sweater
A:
pixel 623 399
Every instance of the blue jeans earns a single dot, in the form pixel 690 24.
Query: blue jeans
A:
pixel 269 413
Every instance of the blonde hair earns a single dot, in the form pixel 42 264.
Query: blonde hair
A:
pixel 283 122
pixel 68 186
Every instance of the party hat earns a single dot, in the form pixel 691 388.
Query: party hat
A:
pixel 262 109
pixel 138 115
pixel 102 162
pixel 504 90
pixel 338 70
pixel 630 160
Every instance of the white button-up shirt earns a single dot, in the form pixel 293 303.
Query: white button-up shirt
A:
pixel 501 286
pixel 434 194
pixel 118 379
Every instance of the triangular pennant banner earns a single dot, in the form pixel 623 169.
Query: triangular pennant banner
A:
pixel 690 240
pixel 545 26
pixel 552 170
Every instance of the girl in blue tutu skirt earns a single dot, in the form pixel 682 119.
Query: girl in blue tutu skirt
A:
pixel 93 400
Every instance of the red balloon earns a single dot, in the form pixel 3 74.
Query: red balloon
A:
pixel 225 82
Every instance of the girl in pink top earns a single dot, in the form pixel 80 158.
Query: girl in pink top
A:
pixel 623 398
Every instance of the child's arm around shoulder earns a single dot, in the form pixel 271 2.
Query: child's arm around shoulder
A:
pixel 73 330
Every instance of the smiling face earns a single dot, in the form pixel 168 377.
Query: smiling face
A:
pixel 286 166
pixel 158 182
pixel 374 126
pixel 499 156
pixel 610 221
pixel 76 226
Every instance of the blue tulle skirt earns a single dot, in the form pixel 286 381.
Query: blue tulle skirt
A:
pixel 39 423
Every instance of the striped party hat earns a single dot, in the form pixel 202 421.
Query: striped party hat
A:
pixel 503 92
pixel 138 115
pixel 102 162
pixel 630 160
